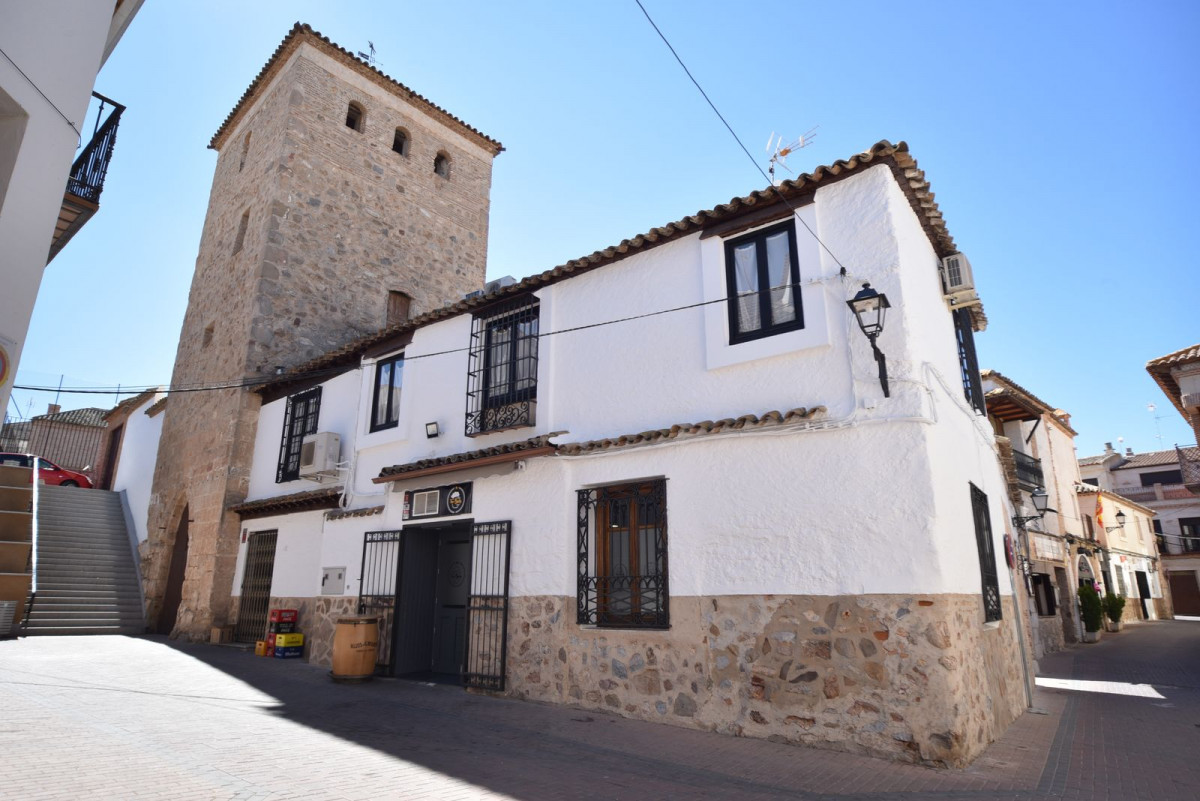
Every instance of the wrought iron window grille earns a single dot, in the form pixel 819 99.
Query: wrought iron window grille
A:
pixel 299 419
pixel 987 556
pixel 502 368
pixel 622 579
pixel 967 360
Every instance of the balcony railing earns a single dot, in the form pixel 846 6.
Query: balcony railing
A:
pixel 87 173
pixel 1029 470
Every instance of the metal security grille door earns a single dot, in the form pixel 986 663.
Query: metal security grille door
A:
pixel 377 590
pixel 987 555
pixel 256 587
pixel 487 628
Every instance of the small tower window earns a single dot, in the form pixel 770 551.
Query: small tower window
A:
pixel 241 234
pixel 398 306
pixel 441 165
pixel 400 142
pixel 208 335
pixel 355 117
pixel 245 150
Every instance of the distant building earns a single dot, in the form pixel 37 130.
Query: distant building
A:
pixel 69 439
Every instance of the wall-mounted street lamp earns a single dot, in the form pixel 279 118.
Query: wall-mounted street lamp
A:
pixel 1041 505
pixel 869 307
pixel 1120 523
pixel 431 430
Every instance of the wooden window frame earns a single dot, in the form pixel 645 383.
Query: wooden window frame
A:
pixel 393 411
pixel 765 329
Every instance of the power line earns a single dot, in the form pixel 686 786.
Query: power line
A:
pixel 736 138
pixel 43 94
pixel 245 383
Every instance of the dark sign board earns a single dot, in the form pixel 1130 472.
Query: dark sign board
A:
pixel 444 501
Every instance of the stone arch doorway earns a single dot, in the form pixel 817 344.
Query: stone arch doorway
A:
pixel 173 591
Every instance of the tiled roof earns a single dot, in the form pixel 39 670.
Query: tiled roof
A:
pixel 903 166
pixel 342 515
pixel 1015 392
pixel 540 446
pixel 1090 489
pixel 157 406
pixel 1087 461
pixel 301 33
pixel 1156 458
pixel 1160 370
pixel 296 502
pixel 690 430
pixel 76 417
pixel 128 405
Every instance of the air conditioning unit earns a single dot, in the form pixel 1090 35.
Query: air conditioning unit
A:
pixel 319 455
pixel 958 284
pixel 491 286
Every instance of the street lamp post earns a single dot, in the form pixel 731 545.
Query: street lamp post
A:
pixel 869 307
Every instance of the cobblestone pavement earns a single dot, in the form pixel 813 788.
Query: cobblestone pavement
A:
pixel 125 718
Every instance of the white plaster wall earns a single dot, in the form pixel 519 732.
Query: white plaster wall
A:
pixel 135 465
pixel 339 406
pixel 297 553
pixel 59 46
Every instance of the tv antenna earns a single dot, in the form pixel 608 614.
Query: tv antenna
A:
pixel 779 151
pixel 369 57
pixel 1150 407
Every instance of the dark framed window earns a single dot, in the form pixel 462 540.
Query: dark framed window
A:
pixel 502 368
pixel 1089 528
pixel 1095 482
pixel 1189 529
pixel 968 362
pixel 762 276
pixel 400 142
pixel 385 401
pixel 987 555
pixel 299 419
pixel 1161 477
pixel 1043 595
pixel 622 572
pixel 356 117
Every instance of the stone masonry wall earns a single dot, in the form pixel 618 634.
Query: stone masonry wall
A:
pixel 913 678
pixel 333 219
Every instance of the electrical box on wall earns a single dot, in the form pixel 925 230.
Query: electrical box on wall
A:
pixel 333 580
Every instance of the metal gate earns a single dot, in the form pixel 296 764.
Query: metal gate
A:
pixel 487 609
pixel 256 587
pixel 377 590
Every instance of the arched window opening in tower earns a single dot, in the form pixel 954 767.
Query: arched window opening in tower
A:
pixel 441 165
pixel 356 118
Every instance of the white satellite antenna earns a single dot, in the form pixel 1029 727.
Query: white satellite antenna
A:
pixel 779 151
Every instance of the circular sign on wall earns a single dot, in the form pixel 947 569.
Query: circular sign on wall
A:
pixel 456 499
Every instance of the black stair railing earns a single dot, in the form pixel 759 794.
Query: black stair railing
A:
pixel 87 173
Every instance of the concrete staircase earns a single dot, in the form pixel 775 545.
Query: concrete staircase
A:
pixel 87 580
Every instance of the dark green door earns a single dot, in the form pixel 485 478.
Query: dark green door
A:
pixel 450 605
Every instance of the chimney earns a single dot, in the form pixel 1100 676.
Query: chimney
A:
pixel 53 408
pixel 1128 452
pixel 1108 448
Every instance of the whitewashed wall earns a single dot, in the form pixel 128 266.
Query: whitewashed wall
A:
pixel 135 466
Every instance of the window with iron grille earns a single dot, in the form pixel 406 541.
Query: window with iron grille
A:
pixel 968 361
pixel 385 402
pixel 622 571
pixel 762 273
pixel 299 418
pixel 502 368
pixel 987 555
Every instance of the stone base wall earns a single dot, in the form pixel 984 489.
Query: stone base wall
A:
pixel 915 678
pixel 317 621
pixel 1050 634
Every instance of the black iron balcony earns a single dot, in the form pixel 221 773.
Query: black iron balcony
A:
pixel 86 181
pixel 1029 471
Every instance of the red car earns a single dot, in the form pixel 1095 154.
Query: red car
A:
pixel 48 471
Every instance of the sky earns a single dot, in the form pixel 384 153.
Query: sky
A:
pixel 1054 136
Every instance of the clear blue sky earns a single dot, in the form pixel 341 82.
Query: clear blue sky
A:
pixel 1055 136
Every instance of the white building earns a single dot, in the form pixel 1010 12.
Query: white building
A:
pixel 53 51
pixel 637 483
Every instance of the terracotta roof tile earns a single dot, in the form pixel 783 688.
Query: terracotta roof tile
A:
pixel 689 430
pixel 296 502
pixel 157 406
pixel 1160 370
pixel 301 33
pixel 903 166
pixel 78 417
pixel 1156 458
pixel 345 513
pixel 1091 460
pixel 468 458
pixel 130 404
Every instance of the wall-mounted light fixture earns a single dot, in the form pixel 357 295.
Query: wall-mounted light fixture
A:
pixel 1120 523
pixel 869 307
pixel 1041 505
pixel 431 430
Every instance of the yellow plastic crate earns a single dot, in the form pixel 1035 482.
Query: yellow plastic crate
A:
pixel 289 640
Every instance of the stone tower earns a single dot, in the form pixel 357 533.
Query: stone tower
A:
pixel 341 200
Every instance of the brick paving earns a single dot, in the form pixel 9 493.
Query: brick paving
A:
pixel 125 718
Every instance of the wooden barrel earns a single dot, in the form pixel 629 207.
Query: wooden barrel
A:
pixel 355 643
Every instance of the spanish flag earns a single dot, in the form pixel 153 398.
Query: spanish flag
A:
pixel 1099 512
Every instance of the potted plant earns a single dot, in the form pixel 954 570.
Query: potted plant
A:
pixel 1114 606
pixel 1090 610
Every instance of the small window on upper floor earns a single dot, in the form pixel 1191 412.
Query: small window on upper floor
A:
pixel 385 401
pixel 400 142
pixel 241 233
pixel 441 165
pixel 208 336
pixel 356 118
pixel 762 273
pixel 399 305
pixel 245 150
